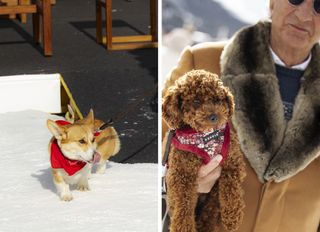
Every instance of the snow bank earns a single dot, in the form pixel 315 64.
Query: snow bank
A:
pixel 123 199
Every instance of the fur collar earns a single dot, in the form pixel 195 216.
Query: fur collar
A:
pixel 275 148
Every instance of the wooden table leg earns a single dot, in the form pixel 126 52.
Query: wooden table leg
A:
pixel 23 17
pixel 126 42
pixel 47 27
pixel 109 24
pixel 98 22
pixel 36 28
pixel 12 3
pixel 153 19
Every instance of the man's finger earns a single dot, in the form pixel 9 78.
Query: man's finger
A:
pixel 206 183
pixel 206 169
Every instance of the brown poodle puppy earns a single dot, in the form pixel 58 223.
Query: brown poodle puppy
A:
pixel 200 103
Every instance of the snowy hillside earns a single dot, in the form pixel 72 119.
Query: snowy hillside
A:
pixel 123 199
pixel 187 22
pixel 249 11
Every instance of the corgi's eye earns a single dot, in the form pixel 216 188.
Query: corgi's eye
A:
pixel 82 141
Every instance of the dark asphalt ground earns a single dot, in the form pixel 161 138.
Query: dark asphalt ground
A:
pixel 108 82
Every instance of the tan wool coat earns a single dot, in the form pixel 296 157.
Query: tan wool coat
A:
pixel 282 186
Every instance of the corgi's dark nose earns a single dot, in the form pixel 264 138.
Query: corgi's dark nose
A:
pixel 213 117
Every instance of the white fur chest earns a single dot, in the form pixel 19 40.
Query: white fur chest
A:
pixel 75 178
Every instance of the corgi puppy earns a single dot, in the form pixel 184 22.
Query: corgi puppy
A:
pixel 107 140
pixel 72 152
pixel 75 147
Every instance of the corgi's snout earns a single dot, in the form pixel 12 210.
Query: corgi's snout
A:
pixel 95 158
pixel 88 156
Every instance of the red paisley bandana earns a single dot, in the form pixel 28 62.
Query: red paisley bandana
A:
pixel 58 160
pixel 205 145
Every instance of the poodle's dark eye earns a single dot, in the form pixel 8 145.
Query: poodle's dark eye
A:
pixel 82 141
pixel 213 117
pixel 196 103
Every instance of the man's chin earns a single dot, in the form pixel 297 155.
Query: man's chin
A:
pixel 297 39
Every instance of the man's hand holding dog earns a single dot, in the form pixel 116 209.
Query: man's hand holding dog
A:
pixel 208 175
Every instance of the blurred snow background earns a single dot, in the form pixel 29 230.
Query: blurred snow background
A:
pixel 188 22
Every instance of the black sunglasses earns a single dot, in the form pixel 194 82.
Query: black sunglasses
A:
pixel 316 4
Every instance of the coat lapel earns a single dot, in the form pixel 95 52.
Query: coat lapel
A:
pixel 301 143
pixel 275 149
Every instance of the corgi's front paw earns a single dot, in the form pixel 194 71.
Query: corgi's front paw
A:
pixel 101 168
pixel 66 197
pixel 83 188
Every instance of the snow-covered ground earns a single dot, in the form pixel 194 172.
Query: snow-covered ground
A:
pixel 123 199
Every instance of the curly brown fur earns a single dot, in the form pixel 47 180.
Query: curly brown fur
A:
pixel 182 190
pixel 230 190
pixel 190 102
pixel 193 98
pixel 209 218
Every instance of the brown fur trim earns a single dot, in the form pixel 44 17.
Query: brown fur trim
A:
pixel 275 149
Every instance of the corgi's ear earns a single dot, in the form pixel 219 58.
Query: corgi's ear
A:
pixel 70 115
pixel 89 119
pixel 56 130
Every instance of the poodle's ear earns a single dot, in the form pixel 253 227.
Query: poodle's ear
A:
pixel 230 101
pixel 171 109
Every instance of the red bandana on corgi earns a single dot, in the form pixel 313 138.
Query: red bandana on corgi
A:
pixel 58 160
pixel 206 145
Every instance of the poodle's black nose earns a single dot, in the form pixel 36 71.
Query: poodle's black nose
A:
pixel 213 117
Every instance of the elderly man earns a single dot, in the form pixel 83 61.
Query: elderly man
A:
pixel 273 70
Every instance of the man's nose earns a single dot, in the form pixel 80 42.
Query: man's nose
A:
pixel 304 11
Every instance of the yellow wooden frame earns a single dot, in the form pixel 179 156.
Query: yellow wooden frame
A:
pixel 67 99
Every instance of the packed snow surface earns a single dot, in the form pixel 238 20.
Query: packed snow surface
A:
pixel 123 199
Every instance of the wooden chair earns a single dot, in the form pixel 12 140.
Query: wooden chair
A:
pixel 23 17
pixel 10 3
pixel 124 42
pixel 41 17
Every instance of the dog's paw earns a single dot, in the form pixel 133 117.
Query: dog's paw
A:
pixel 66 197
pixel 101 169
pixel 83 188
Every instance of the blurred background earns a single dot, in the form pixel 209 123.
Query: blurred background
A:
pixel 188 22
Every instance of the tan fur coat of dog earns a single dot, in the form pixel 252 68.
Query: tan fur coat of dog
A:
pixel 74 148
